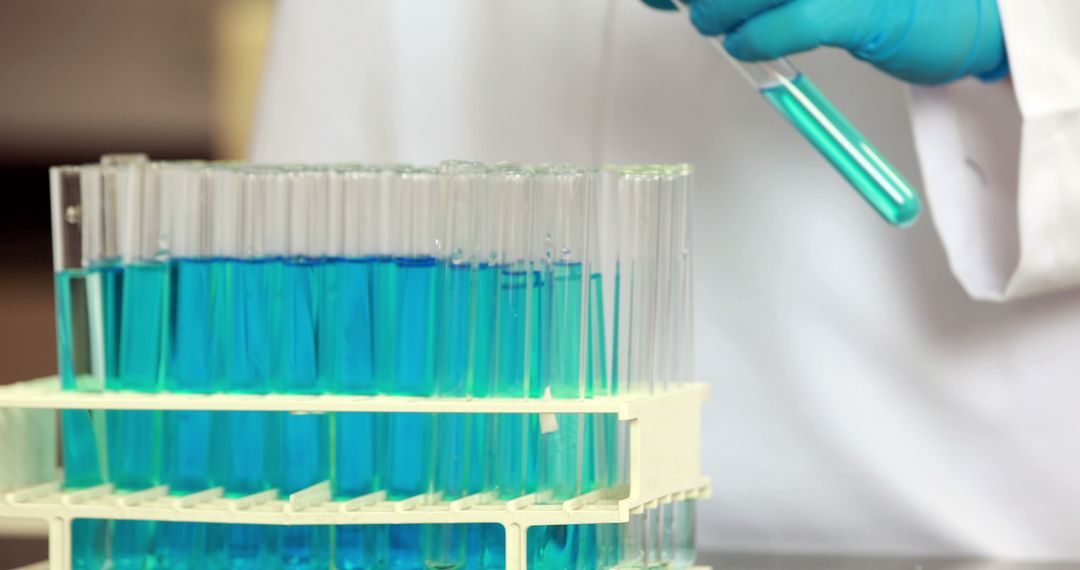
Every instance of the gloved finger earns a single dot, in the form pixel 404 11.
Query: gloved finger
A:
pixel 795 27
pixel 660 4
pixel 716 17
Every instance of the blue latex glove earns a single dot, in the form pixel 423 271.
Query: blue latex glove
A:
pixel 921 41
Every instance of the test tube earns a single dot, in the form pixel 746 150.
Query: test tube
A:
pixel 134 435
pixel 305 437
pixel 679 335
pixel 602 287
pixel 623 283
pixel 248 455
pixel 511 196
pixel 665 277
pixel 347 359
pixel 685 547
pixel 481 362
pixel 800 102
pixel 635 542
pixel 73 224
pixel 188 451
pixel 418 225
pixel 565 464
pixel 445 545
pixel 682 514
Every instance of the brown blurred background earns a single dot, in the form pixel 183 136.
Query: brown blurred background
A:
pixel 78 79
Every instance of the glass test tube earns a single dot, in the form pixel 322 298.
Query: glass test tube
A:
pixel 457 326
pixel 563 460
pixel 134 436
pixel 305 441
pixel 665 278
pixel 800 102
pixel 187 445
pixel 248 454
pixel 416 193
pixel 74 225
pixel 347 359
pixel 511 201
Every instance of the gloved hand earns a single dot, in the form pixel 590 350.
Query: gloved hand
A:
pixel 921 41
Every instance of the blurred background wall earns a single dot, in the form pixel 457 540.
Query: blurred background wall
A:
pixel 79 79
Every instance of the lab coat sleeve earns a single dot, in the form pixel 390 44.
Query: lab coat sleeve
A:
pixel 1001 161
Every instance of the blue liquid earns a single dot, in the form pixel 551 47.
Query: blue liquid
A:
pixel 133 435
pixel 88 544
pixel 347 366
pixel 249 467
pixel 78 298
pixel 199 346
pixel 507 470
pixel 540 347
pixel 407 326
pixel 445 544
pixel 182 545
pixel 250 463
pixel 107 282
pixel 561 455
pixel 358 547
pixel 410 453
pixel 479 453
pixel 82 465
pixel 565 455
pixel 305 437
pixel 482 364
pixel 354 476
pixel 194 316
pixel 601 431
pixel 346 362
pixel 249 546
pixel 561 547
pixel 142 330
pixel 512 322
pixel 73 329
pixel 131 543
pixel 556 547
pixel 305 547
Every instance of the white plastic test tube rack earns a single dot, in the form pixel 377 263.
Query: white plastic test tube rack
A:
pixel 664 465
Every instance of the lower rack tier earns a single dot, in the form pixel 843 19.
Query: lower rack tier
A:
pixel 314 506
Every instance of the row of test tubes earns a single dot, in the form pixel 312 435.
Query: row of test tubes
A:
pixel 456 280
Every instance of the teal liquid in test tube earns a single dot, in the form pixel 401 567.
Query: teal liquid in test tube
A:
pixel 84 299
pixel 879 183
pixel 809 111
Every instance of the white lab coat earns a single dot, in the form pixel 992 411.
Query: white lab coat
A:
pixel 862 401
